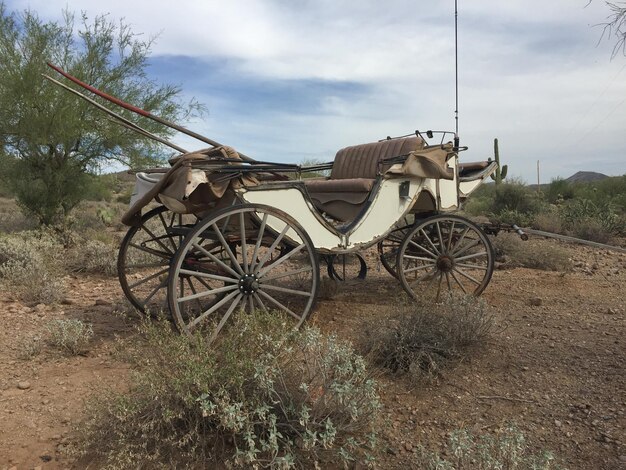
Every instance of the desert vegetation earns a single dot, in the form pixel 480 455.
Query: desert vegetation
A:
pixel 593 211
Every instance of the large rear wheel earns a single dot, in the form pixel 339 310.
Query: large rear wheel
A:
pixel 144 257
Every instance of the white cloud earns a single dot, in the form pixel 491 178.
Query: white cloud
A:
pixel 531 72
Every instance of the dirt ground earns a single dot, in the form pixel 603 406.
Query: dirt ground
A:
pixel 556 366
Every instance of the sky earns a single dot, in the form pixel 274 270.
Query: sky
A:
pixel 295 80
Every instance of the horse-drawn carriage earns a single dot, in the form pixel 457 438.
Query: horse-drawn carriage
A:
pixel 226 233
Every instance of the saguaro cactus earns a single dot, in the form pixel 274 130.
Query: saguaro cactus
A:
pixel 500 173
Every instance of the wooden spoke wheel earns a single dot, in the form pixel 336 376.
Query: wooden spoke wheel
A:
pixel 145 254
pixel 388 248
pixel 444 253
pixel 242 258
pixel 346 267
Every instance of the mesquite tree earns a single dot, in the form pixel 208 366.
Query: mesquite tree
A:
pixel 51 140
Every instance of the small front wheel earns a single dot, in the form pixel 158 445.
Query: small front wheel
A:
pixel 444 253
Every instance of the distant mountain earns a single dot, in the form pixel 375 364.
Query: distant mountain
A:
pixel 586 177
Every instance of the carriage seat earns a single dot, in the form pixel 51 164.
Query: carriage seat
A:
pixel 352 176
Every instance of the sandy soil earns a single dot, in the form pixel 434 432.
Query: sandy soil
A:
pixel 556 366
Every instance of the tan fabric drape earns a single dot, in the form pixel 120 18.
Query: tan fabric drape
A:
pixel 426 163
pixel 186 190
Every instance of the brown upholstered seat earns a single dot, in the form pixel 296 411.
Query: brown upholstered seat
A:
pixel 353 174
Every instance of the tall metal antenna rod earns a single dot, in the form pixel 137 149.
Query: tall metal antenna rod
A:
pixel 456 73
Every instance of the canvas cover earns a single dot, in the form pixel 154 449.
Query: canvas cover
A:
pixel 187 190
pixel 426 163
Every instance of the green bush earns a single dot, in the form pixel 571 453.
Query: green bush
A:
pixel 559 190
pixel 264 396
pixel 423 338
pixel 596 222
pixel 507 450
pixel 514 196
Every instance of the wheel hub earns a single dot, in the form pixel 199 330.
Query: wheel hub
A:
pixel 445 263
pixel 248 284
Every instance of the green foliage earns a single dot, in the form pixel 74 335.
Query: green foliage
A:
pixel 51 139
pixel 515 196
pixel 265 396
pixel 507 449
pixel 593 211
pixel 592 221
pixel 559 190
pixel 423 338
pixel 70 336
pixel 501 171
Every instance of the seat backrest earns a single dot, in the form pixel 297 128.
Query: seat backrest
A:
pixel 361 161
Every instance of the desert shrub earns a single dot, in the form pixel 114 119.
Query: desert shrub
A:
pixel 70 336
pixel 534 254
pixel 515 196
pixel 508 203
pixel 30 347
pixel 31 266
pixel 548 221
pixel 559 190
pixel 506 450
pixel 123 197
pixel 597 222
pixel 508 216
pixel 92 256
pixel 94 215
pixel 265 396
pixel 478 205
pixel 423 338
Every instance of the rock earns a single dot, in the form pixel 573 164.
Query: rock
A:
pixel 536 301
pixel 558 423
pixel 408 446
pixel 24 385
pixel 67 301
pixel 103 302
pixel 40 307
pixel 611 311
pixel 622 458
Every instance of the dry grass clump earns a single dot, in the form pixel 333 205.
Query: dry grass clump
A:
pixel 265 396
pixel 31 266
pixel 424 338
pixel 93 256
pixel 70 336
pixel 534 254
pixel 507 449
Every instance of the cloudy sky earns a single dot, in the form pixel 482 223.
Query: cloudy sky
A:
pixel 289 80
